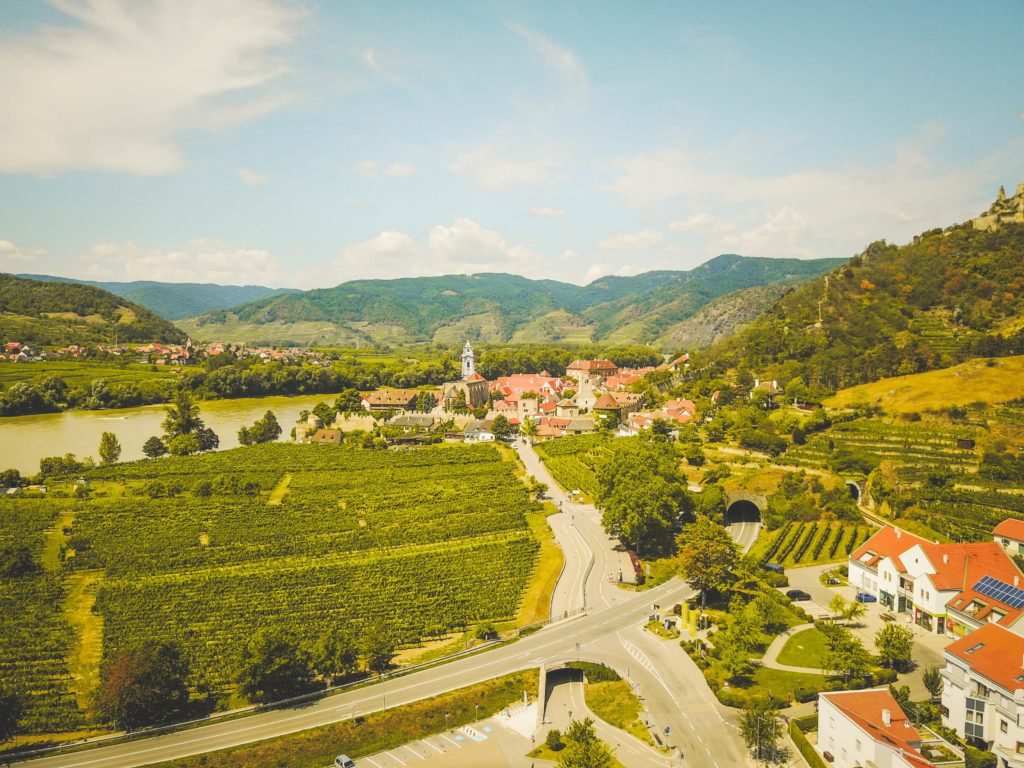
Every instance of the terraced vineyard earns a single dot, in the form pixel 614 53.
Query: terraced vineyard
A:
pixel 572 460
pixel 797 543
pixel 431 539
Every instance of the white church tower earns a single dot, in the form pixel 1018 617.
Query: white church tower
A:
pixel 467 361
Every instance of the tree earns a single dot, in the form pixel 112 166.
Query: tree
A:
pixel 349 401
pixel 182 417
pixel 154 447
pixel 895 645
pixel 932 680
pixel 143 685
pixel 110 448
pixel 642 495
pixel 12 707
pixel 661 429
pixel 528 429
pixel 845 655
pixel 335 655
pixel 17 560
pixel 10 478
pixel 837 607
pixel 761 731
pixel 500 426
pixel 379 646
pixel 707 555
pixel 582 747
pixel 854 611
pixel 324 412
pixel 272 667
pixel 263 430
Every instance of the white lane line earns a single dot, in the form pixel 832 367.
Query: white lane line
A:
pixel 453 741
pixel 418 755
pixel 370 759
pixel 433 746
pixel 397 759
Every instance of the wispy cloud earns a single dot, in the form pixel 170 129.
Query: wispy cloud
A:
pixel 113 88
pixel 11 255
pixel 632 241
pixel 542 211
pixel 565 65
pixel 251 177
pixel 498 167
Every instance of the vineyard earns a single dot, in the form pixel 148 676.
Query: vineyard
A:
pixel 572 461
pixel 798 544
pixel 432 540
pixel 961 514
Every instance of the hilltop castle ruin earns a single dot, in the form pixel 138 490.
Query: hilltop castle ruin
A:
pixel 1004 210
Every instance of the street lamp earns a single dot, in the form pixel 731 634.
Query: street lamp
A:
pixel 478 711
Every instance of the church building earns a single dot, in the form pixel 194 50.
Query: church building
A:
pixel 473 386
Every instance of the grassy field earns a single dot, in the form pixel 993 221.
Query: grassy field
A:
pixel 804 649
pixel 205 551
pixel 988 381
pixel 367 735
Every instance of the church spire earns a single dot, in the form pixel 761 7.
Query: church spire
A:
pixel 468 366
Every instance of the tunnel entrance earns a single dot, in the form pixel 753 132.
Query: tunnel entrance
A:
pixel 742 511
pixel 854 490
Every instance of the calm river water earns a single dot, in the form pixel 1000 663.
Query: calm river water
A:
pixel 24 440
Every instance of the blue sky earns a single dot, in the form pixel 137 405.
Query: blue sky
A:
pixel 308 143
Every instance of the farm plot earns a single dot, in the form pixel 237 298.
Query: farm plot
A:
pixel 572 461
pixel 188 550
pixel 800 543
pixel 962 514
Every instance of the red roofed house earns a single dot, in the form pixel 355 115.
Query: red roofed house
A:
pixel 983 691
pixel 543 384
pixel 1009 534
pixel 944 587
pixel 868 727
pixel 591 371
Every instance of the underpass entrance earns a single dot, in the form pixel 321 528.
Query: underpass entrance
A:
pixel 742 511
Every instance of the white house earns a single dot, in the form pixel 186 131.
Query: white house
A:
pixel 876 568
pixel 983 691
pixel 1009 534
pixel 859 728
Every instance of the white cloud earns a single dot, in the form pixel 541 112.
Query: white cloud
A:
pixel 496 168
pixel 570 255
pixel 111 89
pixel 545 212
pixel 202 260
pixel 389 254
pixel 251 177
pixel 467 247
pixel 371 170
pixel 632 241
pixel 12 255
pixel 560 60
pixel 597 271
pixel 811 212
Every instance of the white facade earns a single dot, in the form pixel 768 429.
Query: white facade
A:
pixel 975 707
pixel 468 365
pixel 851 744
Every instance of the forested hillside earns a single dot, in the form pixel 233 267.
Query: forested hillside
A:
pixel 500 307
pixel 175 301
pixel 948 296
pixel 57 314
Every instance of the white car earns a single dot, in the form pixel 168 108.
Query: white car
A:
pixel 344 761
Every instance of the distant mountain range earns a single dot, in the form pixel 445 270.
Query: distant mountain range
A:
pixel 57 314
pixel 176 301
pixel 653 307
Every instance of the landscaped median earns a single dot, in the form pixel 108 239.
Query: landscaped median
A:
pixel 366 735
pixel 612 699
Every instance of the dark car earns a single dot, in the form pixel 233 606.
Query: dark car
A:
pixel 797 594
pixel 773 567
pixel 865 597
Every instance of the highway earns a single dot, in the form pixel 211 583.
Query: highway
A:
pixel 610 631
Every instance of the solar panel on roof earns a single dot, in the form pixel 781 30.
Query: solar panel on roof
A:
pixel 1001 591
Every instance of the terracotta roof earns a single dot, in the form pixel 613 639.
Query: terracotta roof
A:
pixel 864 708
pixel 591 365
pixel 997 654
pixel 567 402
pixel 987 604
pixel 606 403
pixel 1011 529
pixel 959 566
pixel 474 376
pixel 685 405
pixel 888 542
pixel 548 406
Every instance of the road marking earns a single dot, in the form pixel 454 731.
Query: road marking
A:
pixel 433 747
pixel 398 759
pixel 371 760
pixel 418 755
pixel 453 741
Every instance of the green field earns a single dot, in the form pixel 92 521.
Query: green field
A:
pixel 77 373
pixel 572 461
pixel 432 540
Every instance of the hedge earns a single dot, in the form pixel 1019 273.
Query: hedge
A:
pixel 810 755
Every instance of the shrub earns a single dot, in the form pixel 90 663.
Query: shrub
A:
pixel 554 740
pixel 979 758
pixel 596 673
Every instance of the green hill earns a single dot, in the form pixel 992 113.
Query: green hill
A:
pixel 499 307
pixel 948 296
pixel 176 301
pixel 57 314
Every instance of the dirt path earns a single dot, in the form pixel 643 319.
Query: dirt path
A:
pixel 84 658
pixel 279 491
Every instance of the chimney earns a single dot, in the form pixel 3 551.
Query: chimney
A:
pixel 886 717
pixel 945 558
pixel 1016 581
pixel 899 533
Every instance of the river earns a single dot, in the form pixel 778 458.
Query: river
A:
pixel 24 440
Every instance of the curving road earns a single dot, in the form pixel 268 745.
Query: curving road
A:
pixel 672 687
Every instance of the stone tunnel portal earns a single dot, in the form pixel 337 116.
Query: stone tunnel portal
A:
pixel 742 511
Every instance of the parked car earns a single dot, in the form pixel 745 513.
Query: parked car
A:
pixel 344 761
pixel 797 594
pixel 773 567
pixel 865 597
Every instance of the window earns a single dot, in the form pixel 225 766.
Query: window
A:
pixel 1020 747
pixel 974 724
pixel 973 648
pixel 1004 726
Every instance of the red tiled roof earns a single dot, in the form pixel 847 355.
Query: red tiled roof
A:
pixel 474 376
pixel 962 603
pixel 548 406
pixel 591 365
pixel 888 542
pixel 606 403
pixel 864 708
pixel 1011 529
pixel 959 566
pixel 997 654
